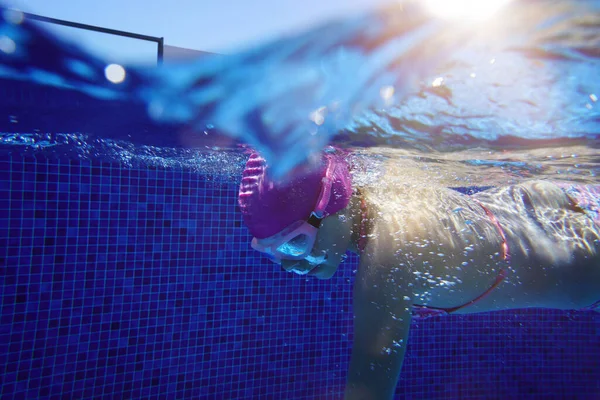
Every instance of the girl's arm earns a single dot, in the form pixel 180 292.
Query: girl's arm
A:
pixel 382 316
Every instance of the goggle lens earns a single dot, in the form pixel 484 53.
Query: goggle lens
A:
pixel 296 246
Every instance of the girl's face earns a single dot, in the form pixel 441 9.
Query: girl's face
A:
pixel 328 252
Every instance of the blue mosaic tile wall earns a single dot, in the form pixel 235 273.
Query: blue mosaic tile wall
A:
pixel 121 283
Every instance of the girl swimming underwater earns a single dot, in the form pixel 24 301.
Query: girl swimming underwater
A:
pixel 424 251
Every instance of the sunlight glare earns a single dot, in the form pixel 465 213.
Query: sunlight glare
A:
pixel 465 9
pixel 114 73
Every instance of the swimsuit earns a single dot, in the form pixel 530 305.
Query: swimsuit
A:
pixel 423 312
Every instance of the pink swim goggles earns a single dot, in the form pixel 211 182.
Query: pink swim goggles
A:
pixel 296 241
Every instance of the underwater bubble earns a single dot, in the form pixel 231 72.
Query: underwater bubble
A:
pixel 7 45
pixel 447 283
pixel 13 16
pixel 343 218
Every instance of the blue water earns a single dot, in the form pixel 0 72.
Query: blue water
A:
pixel 397 77
pixel 126 272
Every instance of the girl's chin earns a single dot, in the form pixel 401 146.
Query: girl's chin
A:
pixel 303 267
pixel 321 272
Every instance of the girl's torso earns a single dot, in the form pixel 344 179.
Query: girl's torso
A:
pixel 448 249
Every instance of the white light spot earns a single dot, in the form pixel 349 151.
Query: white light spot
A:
pixel 114 73
pixel 318 116
pixel 13 16
pixel 465 9
pixel 386 92
pixel 588 106
pixel 493 61
pixel 447 283
pixel 593 97
pixel 473 75
pixel 437 81
pixel 7 45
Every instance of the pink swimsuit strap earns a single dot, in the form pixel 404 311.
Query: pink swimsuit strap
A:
pixel 422 312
